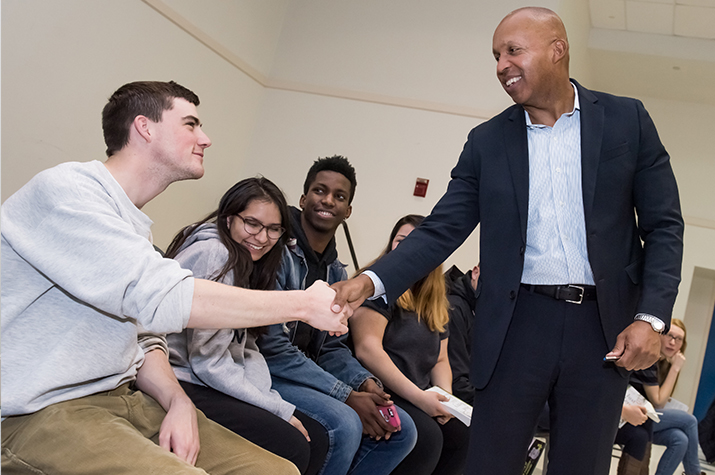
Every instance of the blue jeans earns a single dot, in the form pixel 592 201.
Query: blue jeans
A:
pixel 678 432
pixel 349 452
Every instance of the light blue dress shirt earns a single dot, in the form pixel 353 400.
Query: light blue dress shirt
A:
pixel 556 251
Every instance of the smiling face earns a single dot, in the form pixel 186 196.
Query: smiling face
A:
pixel 531 52
pixel 672 342
pixel 179 142
pixel 326 204
pixel 263 212
pixel 402 233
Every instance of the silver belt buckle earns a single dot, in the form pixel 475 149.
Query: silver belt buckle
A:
pixel 577 302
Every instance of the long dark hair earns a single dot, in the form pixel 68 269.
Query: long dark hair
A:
pixel 261 274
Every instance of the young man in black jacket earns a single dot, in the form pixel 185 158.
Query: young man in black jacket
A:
pixel 462 290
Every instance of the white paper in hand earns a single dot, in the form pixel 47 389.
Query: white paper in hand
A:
pixel 634 398
pixel 458 408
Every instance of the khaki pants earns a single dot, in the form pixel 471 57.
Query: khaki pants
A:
pixel 118 433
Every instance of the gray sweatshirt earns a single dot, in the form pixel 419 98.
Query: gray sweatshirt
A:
pixel 225 360
pixel 80 281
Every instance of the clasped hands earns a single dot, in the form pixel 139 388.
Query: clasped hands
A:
pixel 365 402
pixel 329 307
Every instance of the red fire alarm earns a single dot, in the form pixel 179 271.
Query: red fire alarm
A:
pixel 421 187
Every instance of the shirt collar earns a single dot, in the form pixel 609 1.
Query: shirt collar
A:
pixel 576 106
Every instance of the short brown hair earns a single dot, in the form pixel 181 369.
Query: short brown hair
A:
pixel 147 98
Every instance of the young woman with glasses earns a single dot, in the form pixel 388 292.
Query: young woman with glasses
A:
pixel 222 371
pixel 677 430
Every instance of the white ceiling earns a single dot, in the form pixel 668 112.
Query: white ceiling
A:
pixel 657 48
pixel 687 18
pixel 640 48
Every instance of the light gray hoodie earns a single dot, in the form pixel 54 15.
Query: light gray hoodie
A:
pixel 80 279
pixel 226 360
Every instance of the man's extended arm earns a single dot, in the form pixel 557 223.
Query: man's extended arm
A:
pixel 121 273
pixel 451 221
pixel 217 305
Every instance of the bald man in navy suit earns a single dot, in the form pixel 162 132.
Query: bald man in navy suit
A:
pixel 581 248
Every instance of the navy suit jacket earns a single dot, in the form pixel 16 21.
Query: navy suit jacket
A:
pixel 634 227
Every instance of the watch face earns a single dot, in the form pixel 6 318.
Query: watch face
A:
pixel 658 326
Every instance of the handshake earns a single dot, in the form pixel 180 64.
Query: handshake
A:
pixel 329 307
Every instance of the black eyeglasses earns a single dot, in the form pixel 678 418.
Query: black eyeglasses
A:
pixel 677 339
pixel 254 227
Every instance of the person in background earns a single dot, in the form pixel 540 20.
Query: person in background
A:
pixel 241 244
pixel 636 435
pixel 462 293
pixel 405 345
pixel 677 429
pixel 314 370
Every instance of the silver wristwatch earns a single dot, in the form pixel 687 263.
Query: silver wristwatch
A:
pixel 655 322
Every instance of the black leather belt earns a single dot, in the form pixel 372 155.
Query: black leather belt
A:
pixel 570 293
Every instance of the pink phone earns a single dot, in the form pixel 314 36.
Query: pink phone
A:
pixel 389 413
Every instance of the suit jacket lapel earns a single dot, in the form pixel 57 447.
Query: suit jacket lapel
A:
pixel 517 151
pixel 592 117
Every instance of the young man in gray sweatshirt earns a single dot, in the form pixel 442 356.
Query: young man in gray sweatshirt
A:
pixel 86 384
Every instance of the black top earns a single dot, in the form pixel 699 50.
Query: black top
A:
pixel 644 377
pixel 462 300
pixel 409 343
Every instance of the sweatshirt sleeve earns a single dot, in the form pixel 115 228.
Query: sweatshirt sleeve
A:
pixel 151 341
pixel 213 355
pixel 75 234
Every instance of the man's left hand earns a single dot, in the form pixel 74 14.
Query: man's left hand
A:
pixel 179 431
pixel 637 347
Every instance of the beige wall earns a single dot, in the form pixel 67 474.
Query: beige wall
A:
pixel 395 86
pixel 388 146
pixel 62 60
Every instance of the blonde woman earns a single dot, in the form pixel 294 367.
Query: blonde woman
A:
pixel 405 345
pixel 677 430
